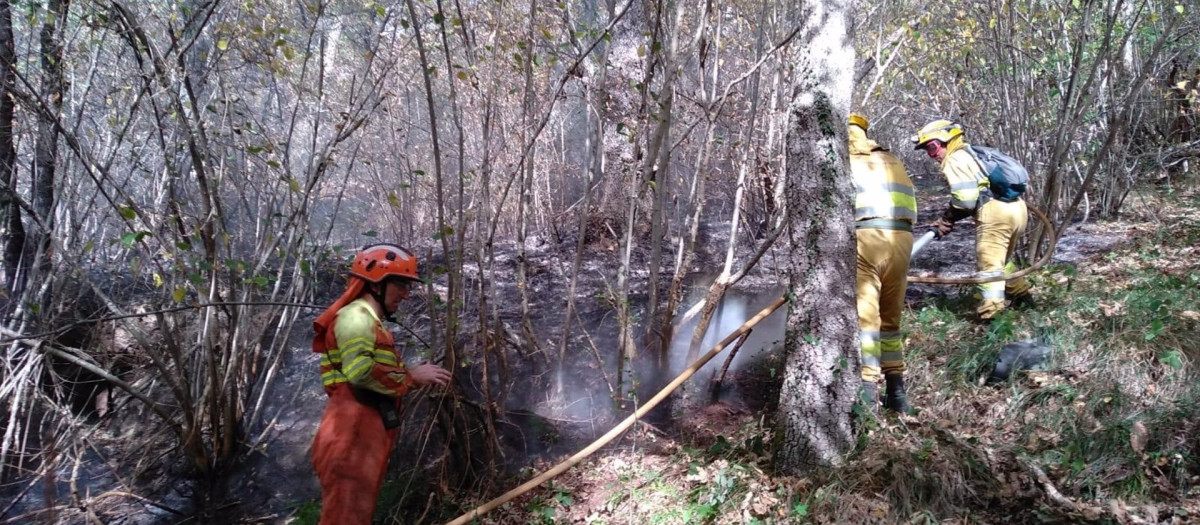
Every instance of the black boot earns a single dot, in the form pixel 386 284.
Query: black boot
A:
pixel 1024 302
pixel 895 399
pixel 869 396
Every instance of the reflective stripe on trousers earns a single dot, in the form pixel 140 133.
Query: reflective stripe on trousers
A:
pixel 350 454
pixel 1000 226
pixel 881 280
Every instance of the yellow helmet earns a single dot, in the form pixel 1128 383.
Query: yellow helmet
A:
pixel 940 130
pixel 858 120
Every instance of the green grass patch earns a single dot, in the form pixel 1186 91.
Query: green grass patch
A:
pixel 306 513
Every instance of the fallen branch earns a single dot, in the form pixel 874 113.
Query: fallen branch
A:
pixel 1047 486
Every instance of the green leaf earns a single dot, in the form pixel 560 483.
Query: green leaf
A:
pixel 641 51
pixel 235 265
pixel 438 18
pixel 370 233
pixel 393 200
pixel 1172 359
pixel 222 44
pixel 1156 329
pixel 305 268
pixel 404 23
pixel 127 212
pixel 1179 8
pixel 178 294
pixel 294 184
pixel 183 245
pixel 87 246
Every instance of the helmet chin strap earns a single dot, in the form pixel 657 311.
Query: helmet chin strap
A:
pixel 378 294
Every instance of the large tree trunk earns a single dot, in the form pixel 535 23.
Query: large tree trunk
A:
pixel 822 332
pixel 38 254
pixel 13 231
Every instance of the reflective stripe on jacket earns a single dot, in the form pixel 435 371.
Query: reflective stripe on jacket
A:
pixel 883 189
pixel 362 353
pixel 963 175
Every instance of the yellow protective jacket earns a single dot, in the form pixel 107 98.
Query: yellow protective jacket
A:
pixel 965 178
pixel 362 353
pixel 883 189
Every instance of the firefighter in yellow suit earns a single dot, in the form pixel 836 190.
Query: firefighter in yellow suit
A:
pixel 885 208
pixel 999 223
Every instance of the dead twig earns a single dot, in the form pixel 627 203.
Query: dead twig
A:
pixel 716 386
pixel 1052 493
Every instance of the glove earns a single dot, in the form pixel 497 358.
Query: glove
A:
pixel 942 227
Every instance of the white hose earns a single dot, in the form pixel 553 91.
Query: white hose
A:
pixel 921 242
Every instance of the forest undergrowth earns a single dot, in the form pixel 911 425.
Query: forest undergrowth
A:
pixel 1105 434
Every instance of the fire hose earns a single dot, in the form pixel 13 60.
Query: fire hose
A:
pixel 623 425
pixel 935 279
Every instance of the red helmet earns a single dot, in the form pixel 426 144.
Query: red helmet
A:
pixel 380 261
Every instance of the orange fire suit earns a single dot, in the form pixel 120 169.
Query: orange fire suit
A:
pixel 351 448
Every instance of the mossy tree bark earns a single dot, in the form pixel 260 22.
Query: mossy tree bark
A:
pixel 822 332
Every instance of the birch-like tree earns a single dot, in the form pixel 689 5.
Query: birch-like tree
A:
pixel 821 375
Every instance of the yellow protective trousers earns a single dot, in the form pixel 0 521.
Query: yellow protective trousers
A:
pixel 350 455
pixel 882 278
pixel 1000 225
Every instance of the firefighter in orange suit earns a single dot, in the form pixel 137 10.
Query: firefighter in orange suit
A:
pixel 999 222
pixel 885 208
pixel 364 379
